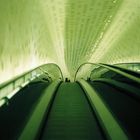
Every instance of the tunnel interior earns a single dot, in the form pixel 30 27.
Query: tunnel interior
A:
pixel 69 70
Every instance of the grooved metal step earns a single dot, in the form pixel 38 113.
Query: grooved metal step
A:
pixel 71 116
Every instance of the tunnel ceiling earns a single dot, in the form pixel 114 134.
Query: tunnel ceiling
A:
pixel 68 33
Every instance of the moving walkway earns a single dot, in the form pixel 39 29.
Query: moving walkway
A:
pixel 98 109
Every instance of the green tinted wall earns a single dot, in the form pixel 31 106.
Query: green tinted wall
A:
pixel 67 32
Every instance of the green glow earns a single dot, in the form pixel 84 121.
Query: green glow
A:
pixel 68 33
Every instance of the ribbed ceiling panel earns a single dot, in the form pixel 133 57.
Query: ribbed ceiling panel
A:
pixel 67 32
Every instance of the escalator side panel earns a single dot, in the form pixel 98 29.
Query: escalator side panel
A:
pixel 14 116
pixel 125 108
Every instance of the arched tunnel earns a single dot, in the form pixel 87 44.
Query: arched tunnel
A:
pixel 69 69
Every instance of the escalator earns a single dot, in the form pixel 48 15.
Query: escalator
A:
pixel 66 111
pixel 71 116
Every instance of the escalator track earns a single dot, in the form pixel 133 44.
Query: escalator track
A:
pixel 64 111
pixel 71 116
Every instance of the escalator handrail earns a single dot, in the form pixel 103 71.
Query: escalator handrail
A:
pixel 122 72
pixel 109 124
pixel 110 67
pixel 33 128
pixel 124 69
pixel 9 89
pixel 27 72
pixel 130 90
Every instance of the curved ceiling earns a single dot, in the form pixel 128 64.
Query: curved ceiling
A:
pixel 68 33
